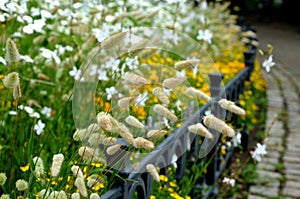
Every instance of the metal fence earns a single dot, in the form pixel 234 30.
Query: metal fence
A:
pixel 139 182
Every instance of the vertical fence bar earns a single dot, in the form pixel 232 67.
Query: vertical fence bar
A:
pixel 216 91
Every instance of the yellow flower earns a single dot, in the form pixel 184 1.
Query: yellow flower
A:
pixel 173 184
pixel 176 196
pixel 152 197
pixel 25 168
pixel 163 178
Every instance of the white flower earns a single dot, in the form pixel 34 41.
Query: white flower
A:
pixel 76 74
pixel 113 64
pixel 229 181
pixel 110 92
pixel 39 127
pixel 101 34
pixel 205 35
pixel 259 152
pixel 102 75
pixel 26 58
pixel 2 18
pixel 46 111
pixel 36 26
pixel 48 54
pixel 237 139
pixel 268 63
pixel 181 73
pixel 132 63
pixel 174 159
pixel 170 35
pixel 141 99
pixel 2 60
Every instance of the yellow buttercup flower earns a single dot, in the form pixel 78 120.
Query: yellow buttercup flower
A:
pixel 25 168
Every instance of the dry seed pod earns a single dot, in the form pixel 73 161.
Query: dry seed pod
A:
pixel 186 64
pixel 132 121
pixel 230 106
pixel 197 94
pixel 215 123
pixel 114 40
pixel 133 79
pixel 156 133
pixel 161 95
pixel 140 143
pixel 152 170
pixel 159 109
pixel 125 102
pixel 113 149
pixel 172 82
pixel 200 130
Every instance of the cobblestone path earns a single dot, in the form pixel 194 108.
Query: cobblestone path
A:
pixel 279 170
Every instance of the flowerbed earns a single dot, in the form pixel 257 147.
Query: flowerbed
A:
pixel 45 50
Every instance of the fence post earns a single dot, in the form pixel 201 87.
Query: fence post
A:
pixel 216 92
pixel 249 57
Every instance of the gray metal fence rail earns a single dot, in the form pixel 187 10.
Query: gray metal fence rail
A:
pixel 141 182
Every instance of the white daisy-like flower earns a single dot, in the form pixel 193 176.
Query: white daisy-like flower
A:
pixel 76 74
pixel 39 127
pixel 268 63
pixel 110 92
pixel 229 181
pixel 204 35
pixel 259 152
pixel 46 111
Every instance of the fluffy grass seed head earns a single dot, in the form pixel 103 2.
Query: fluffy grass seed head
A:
pixel 156 133
pixel 5 196
pixel 45 193
pixel 124 132
pixel 161 95
pixel 11 80
pixel 95 180
pixel 12 52
pixel 114 40
pixel 92 128
pixel 140 142
pixel 3 179
pixel 230 106
pixel 197 94
pixel 80 135
pixel 161 110
pixel 113 149
pixel 17 92
pixel 173 82
pixel 39 169
pixel 98 138
pixel 79 183
pixel 77 172
pixel 21 185
pixel 149 52
pixel 94 196
pixel 186 64
pixel 104 121
pixel 152 170
pixel 200 130
pixel 62 195
pixel 134 79
pixel 56 164
pixel 75 196
pixel 125 102
pixel 138 47
pixel 215 123
pixel 132 121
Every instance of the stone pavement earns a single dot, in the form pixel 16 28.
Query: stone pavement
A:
pixel 279 170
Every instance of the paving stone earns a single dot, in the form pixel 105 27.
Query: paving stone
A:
pixel 268 160
pixel 264 190
pixel 292 178
pixel 268 174
pixel 272 154
pixel 291 192
pixel 292 184
pixel 294 166
pixel 275 141
pixel 291 159
pixel 264 166
pixel 290 171
pixel 255 197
